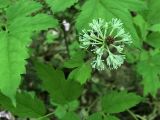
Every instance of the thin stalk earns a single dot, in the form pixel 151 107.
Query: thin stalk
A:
pixel 45 116
pixel 132 114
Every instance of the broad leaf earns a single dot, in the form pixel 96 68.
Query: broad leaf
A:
pixel 153 39
pixel 14 41
pixel 61 91
pixel 75 61
pixel 115 102
pixel 152 15
pixel 81 74
pixel 60 5
pixel 4 3
pixel 27 105
pixel 155 28
pixel 142 26
pixel 149 69
pixel 107 9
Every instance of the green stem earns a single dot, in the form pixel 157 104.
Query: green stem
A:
pixel 111 32
pixel 141 117
pixel 132 114
pixel 92 104
pixel 100 40
pixel 45 116
pixel 95 40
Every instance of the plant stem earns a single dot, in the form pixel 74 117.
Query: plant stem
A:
pixel 92 104
pixel 49 114
pixel 66 42
pixel 132 114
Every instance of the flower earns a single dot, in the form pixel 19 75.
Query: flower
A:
pixel 115 61
pixel 116 23
pixel 98 63
pixel 119 48
pixel 106 40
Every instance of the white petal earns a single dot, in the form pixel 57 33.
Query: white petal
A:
pixel 115 61
pixel 116 23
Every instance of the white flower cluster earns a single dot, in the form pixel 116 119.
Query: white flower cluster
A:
pixel 107 41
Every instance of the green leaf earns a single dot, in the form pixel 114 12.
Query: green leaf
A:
pixel 27 105
pixel 60 5
pixel 107 9
pixel 149 69
pixel 109 117
pixel 95 116
pixel 75 61
pixel 75 50
pixel 14 42
pixel 81 74
pixel 132 5
pixel 155 28
pixel 153 39
pixel 115 102
pixel 71 116
pixel 4 3
pixel 51 36
pixel 61 110
pixel 29 5
pixel 152 14
pixel 61 91
pixel 142 25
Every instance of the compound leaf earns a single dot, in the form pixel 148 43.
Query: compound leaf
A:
pixel 61 91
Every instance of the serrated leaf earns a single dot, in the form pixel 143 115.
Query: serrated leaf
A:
pixel 19 11
pixel 107 9
pixel 81 74
pixel 115 102
pixel 61 91
pixel 14 42
pixel 27 105
pixel 30 24
pixel 149 69
pixel 71 116
pixel 60 5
